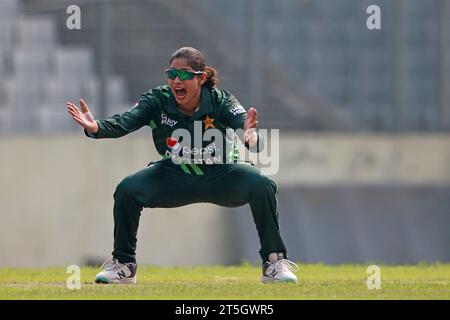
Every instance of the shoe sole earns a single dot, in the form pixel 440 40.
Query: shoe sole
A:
pixel 103 280
pixel 265 279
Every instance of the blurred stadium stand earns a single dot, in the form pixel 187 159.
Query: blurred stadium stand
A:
pixel 387 80
pixel 320 68
pixel 38 75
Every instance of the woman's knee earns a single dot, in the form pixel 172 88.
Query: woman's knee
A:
pixel 132 188
pixel 126 187
pixel 262 183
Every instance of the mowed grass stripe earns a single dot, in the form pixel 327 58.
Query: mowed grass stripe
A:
pixel 316 281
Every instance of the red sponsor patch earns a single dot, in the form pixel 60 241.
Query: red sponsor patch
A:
pixel 171 142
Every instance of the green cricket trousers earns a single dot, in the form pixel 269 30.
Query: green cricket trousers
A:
pixel 164 184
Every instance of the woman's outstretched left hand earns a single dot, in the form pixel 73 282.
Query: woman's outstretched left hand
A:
pixel 250 125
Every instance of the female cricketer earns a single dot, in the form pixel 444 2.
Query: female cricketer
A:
pixel 190 104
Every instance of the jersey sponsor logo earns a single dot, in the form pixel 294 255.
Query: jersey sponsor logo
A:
pixel 238 109
pixel 209 122
pixel 209 150
pixel 167 121
pixel 187 154
pixel 173 144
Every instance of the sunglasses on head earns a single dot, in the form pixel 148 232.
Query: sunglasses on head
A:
pixel 182 74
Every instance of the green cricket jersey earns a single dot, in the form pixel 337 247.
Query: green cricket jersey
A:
pixel 206 137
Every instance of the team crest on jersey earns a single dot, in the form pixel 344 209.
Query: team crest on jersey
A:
pixel 167 121
pixel 238 109
pixel 209 122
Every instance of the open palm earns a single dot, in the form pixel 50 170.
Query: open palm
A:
pixel 249 127
pixel 83 117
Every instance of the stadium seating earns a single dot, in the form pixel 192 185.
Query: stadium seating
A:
pixel 2 64
pixel 38 75
pixel 9 10
pixel 385 80
pixel 37 33
pixel 330 51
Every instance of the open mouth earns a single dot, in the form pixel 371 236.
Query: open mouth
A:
pixel 180 93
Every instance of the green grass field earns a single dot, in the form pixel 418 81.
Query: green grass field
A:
pixel 316 281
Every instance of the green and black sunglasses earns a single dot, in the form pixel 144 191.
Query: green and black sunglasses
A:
pixel 182 74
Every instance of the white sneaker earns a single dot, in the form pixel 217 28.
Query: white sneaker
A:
pixel 116 272
pixel 278 269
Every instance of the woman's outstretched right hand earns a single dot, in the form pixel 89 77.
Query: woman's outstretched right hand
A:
pixel 84 117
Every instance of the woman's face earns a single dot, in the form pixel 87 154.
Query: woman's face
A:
pixel 187 92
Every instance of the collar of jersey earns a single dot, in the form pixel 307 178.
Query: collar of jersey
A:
pixel 205 105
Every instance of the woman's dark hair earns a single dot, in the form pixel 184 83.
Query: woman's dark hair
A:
pixel 197 61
